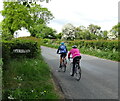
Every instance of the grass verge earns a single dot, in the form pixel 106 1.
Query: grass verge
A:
pixel 98 53
pixel 28 79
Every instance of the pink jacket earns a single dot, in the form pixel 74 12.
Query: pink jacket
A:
pixel 75 52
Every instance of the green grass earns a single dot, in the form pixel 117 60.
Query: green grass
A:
pixel 98 53
pixel 101 54
pixel 28 79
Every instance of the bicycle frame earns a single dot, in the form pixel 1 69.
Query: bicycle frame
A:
pixel 77 70
pixel 64 61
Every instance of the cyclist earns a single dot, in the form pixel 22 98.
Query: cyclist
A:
pixel 75 55
pixel 62 49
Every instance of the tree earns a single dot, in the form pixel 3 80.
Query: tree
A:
pixel 15 16
pixel 45 32
pixel 114 31
pixel 105 33
pixel 40 16
pixel 95 31
pixel 35 2
pixel 59 35
pixel 81 33
pixel 68 31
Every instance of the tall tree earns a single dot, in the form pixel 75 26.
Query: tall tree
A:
pixel 40 16
pixel 15 16
pixel 115 29
pixel 105 33
pixel 94 29
pixel 68 31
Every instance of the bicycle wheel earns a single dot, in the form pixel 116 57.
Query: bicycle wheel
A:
pixel 77 72
pixel 63 68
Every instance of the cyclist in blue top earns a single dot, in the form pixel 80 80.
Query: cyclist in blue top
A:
pixel 62 49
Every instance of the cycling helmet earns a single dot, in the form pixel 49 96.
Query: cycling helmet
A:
pixel 74 46
pixel 62 43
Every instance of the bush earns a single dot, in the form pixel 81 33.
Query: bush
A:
pixel 12 49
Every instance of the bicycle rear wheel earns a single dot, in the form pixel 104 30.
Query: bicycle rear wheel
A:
pixel 63 67
pixel 77 72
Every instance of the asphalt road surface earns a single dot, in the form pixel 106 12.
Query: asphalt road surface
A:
pixel 99 77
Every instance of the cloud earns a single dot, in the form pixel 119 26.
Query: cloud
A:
pixel 81 12
pixel 84 12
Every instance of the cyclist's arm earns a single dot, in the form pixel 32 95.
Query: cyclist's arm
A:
pixel 58 50
pixel 66 50
pixel 69 54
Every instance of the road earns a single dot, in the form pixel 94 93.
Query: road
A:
pixel 99 77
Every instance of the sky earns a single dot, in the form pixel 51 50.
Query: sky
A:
pixel 103 13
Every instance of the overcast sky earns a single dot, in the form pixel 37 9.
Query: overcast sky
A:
pixel 83 12
pixel 103 13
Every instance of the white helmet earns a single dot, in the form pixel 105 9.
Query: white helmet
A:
pixel 74 46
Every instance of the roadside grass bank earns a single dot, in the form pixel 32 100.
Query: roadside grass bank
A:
pixel 110 55
pixel 27 78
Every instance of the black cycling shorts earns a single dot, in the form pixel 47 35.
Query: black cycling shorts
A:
pixel 63 55
pixel 77 58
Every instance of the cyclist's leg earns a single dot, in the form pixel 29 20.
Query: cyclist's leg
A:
pixel 60 60
pixel 73 69
pixel 64 57
pixel 79 57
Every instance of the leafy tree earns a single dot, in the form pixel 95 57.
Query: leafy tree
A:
pixel 15 16
pixel 59 35
pixel 94 29
pixel 45 32
pixel 68 31
pixel 78 33
pixel 40 16
pixel 115 29
pixel 105 33
pixel 35 2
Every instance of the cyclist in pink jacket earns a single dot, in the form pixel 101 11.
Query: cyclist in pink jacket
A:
pixel 75 55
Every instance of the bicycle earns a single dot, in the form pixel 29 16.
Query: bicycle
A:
pixel 63 65
pixel 77 70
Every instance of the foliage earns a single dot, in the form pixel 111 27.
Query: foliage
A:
pixel 114 31
pixel 94 29
pixel 10 49
pixel 41 16
pixel 6 50
pixel 59 35
pixel 28 79
pixel 68 31
pixel 17 15
pixel 42 31
pixel 101 48
pixel 92 32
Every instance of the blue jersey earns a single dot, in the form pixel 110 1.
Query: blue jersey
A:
pixel 62 49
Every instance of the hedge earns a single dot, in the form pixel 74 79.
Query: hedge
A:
pixel 17 48
pixel 105 45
